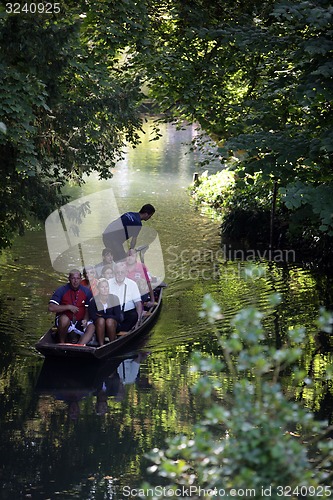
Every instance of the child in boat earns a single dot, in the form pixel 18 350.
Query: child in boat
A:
pixel 107 260
pixel 107 273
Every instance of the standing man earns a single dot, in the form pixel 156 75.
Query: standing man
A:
pixel 70 304
pixel 126 227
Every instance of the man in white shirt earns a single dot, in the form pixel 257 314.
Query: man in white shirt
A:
pixel 129 297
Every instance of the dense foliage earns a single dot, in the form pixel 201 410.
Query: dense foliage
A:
pixel 67 106
pixel 244 209
pixel 253 439
pixel 256 75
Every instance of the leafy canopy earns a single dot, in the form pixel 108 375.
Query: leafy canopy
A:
pixel 68 103
pixel 257 76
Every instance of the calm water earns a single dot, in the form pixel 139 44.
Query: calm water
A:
pixel 82 432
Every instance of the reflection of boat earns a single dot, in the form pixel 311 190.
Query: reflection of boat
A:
pixel 74 381
pixel 128 369
pixel 48 346
pixel 75 377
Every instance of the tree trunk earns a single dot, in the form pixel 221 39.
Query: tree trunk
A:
pixel 273 207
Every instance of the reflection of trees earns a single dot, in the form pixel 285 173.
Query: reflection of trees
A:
pixel 58 452
pixel 61 454
pixel 301 291
pixel 319 395
pixel 6 339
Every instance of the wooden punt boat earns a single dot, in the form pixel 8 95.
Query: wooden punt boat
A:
pixel 49 347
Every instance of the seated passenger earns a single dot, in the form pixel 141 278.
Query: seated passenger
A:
pixel 104 311
pixel 90 280
pixel 107 261
pixel 107 273
pixel 70 304
pixel 129 297
pixel 138 272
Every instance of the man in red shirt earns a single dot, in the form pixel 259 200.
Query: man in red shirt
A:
pixel 70 304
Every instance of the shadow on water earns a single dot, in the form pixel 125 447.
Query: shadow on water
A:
pixel 73 381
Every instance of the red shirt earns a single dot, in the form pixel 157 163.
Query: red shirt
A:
pixel 92 285
pixel 138 272
pixel 65 295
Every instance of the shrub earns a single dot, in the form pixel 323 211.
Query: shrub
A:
pixel 255 441
pixel 243 204
pixel 214 190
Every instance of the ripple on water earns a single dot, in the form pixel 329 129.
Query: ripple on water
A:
pixel 232 290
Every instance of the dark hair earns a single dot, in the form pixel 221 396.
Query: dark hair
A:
pixel 147 209
pixel 108 266
pixel 106 251
pixel 88 268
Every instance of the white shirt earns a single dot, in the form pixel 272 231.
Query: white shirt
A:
pixel 132 293
pixel 128 371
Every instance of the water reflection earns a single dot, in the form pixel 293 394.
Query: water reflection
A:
pixel 73 381
pixel 127 406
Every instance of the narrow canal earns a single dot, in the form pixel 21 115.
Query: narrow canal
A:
pixel 73 433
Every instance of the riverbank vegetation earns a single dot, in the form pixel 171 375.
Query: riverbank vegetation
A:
pixel 68 104
pixel 255 75
pixel 253 440
pixel 255 213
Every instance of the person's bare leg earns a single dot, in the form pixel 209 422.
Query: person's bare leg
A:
pixel 88 334
pixel 63 325
pixel 111 326
pixel 100 330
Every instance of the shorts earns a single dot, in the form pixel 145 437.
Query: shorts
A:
pixel 76 327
